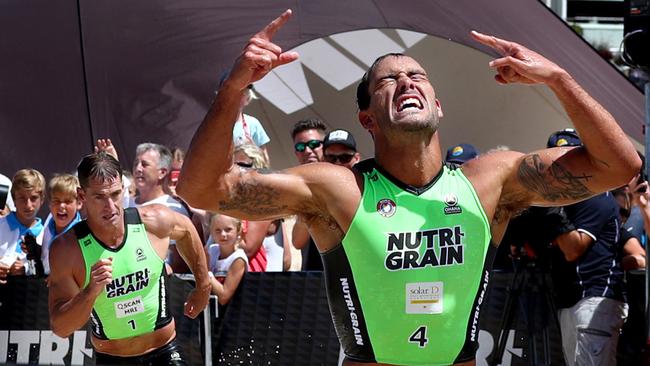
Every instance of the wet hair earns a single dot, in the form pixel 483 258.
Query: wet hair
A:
pixel 308 124
pixel 165 156
pixel 28 179
pixel 363 94
pixel 99 165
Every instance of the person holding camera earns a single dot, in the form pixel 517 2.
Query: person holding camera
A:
pixel 588 277
pixel 22 225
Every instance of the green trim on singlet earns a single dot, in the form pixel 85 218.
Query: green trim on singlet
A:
pixel 134 303
pixel 405 306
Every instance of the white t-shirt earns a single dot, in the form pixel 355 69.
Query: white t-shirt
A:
pixel 274 247
pixel 165 200
pixel 8 240
pixel 126 198
pixel 220 267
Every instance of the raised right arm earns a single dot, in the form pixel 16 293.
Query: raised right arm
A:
pixel 69 305
pixel 208 179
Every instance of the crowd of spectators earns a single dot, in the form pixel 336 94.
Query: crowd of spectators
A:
pixel 262 245
pixel 594 242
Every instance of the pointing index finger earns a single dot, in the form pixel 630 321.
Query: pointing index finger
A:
pixel 498 44
pixel 269 31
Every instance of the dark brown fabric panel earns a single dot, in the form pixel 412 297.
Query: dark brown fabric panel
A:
pixel 43 112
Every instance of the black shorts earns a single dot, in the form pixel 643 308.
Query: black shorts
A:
pixel 170 354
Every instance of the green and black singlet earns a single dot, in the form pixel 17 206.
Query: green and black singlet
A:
pixel 406 285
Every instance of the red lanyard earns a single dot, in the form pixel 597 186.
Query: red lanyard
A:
pixel 245 127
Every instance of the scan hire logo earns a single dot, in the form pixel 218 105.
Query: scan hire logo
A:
pixel 452 205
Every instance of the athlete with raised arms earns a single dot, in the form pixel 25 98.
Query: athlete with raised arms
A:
pixel 406 240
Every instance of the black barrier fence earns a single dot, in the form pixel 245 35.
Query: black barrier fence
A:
pixel 283 319
pixel 277 319
pixel 26 338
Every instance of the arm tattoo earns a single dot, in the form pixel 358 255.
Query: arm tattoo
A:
pixel 552 182
pixel 252 198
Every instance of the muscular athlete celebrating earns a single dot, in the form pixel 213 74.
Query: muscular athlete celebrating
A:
pixel 405 240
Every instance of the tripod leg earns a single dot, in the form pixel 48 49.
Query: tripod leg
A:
pixel 550 303
pixel 513 295
pixel 532 297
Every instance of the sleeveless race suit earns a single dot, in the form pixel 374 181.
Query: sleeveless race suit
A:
pixel 406 285
pixel 135 302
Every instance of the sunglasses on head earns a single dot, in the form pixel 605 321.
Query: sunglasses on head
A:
pixel 343 158
pixel 312 144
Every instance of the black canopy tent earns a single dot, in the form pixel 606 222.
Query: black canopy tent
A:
pixel 146 71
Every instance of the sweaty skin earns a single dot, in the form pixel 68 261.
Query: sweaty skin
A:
pixel 407 146
pixel 70 303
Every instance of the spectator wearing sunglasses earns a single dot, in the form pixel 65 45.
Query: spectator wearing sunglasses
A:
pixel 340 148
pixel 307 137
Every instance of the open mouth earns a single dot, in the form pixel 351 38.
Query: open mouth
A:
pixel 109 216
pixel 409 103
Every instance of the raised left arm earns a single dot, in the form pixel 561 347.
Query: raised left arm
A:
pixel 564 175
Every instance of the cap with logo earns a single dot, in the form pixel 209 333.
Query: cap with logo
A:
pixel 341 137
pixel 460 153
pixel 565 137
